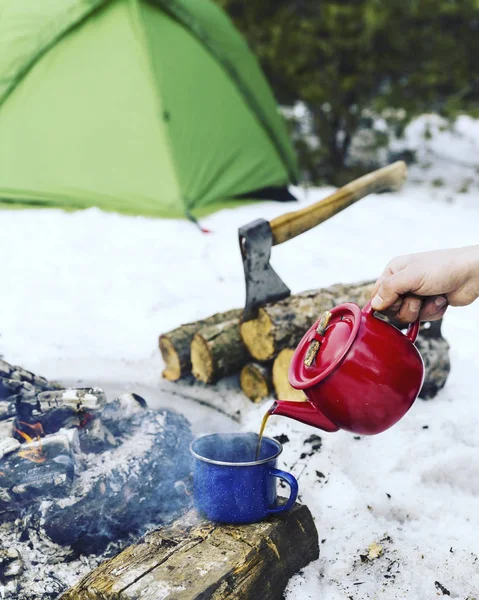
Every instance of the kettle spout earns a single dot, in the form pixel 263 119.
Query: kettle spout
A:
pixel 305 412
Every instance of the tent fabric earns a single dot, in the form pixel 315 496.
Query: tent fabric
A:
pixel 154 107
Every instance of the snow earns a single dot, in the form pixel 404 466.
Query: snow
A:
pixel 86 295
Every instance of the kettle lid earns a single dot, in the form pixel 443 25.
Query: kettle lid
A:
pixel 324 345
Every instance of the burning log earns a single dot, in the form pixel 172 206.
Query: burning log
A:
pixel 217 351
pixel 62 408
pixel 144 480
pixel 194 559
pixel 78 399
pixel 175 345
pixel 42 468
pixel 256 381
pixel 283 324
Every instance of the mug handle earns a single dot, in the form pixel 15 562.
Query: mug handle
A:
pixel 412 330
pixel 293 484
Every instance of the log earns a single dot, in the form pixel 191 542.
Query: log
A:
pixel 44 468
pixel 217 351
pixel 283 324
pixel 76 399
pixel 282 388
pixel 175 345
pixel 194 559
pixel 143 481
pixel 256 381
pixel 8 371
pixel 437 365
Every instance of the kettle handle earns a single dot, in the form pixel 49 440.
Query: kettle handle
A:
pixel 412 330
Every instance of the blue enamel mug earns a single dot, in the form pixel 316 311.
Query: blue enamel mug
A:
pixel 230 486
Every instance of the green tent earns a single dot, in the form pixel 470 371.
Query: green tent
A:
pixel 152 107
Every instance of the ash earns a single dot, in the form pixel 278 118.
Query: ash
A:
pixel 81 478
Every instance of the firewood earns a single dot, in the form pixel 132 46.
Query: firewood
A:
pixel 8 371
pixel 217 351
pixel 282 388
pixel 256 381
pixel 41 468
pixel 283 324
pixel 175 345
pixel 77 399
pixel 144 480
pixel 194 558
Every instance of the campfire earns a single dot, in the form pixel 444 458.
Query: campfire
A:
pixel 81 477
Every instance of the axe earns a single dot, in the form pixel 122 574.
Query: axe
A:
pixel 263 285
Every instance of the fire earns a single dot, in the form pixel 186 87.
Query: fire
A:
pixel 86 418
pixel 36 453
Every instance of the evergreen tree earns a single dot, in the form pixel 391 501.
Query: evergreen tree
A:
pixel 345 58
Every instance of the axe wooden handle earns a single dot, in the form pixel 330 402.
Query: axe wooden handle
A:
pixel 291 224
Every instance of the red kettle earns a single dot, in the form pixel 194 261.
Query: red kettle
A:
pixel 360 373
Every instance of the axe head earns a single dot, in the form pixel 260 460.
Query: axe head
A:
pixel 263 285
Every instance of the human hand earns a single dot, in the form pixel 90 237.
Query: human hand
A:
pixel 425 284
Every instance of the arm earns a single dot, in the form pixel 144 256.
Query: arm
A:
pixel 425 284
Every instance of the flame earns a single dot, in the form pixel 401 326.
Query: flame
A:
pixel 86 418
pixel 36 453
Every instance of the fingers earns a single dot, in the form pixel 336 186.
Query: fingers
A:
pixel 433 308
pixel 390 288
pixel 410 309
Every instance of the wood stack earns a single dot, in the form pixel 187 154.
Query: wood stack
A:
pixel 260 351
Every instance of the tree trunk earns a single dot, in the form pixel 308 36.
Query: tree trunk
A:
pixel 175 345
pixel 217 351
pixel 195 559
pixel 256 381
pixel 283 324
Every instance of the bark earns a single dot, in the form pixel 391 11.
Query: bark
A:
pixel 256 381
pixel 217 351
pixel 195 559
pixel 175 345
pixel 283 324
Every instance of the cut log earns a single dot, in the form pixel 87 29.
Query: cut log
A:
pixel 282 388
pixel 195 559
pixel 217 351
pixel 283 324
pixel 175 345
pixel 256 381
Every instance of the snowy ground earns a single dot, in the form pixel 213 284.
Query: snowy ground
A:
pixel 85 296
